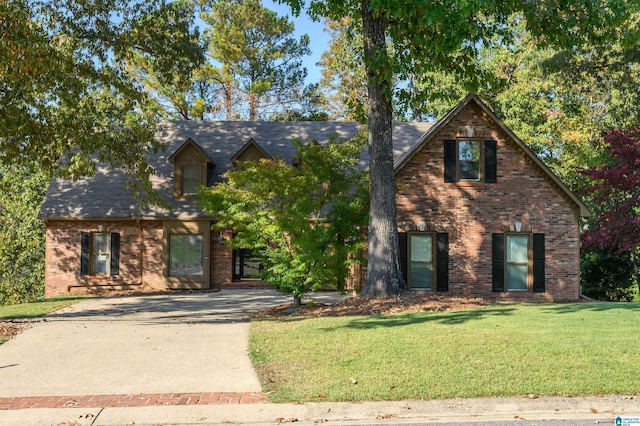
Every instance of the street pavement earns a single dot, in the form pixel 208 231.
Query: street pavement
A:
pixel 164 359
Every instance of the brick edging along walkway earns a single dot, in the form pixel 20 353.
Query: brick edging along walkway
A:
pixel 132 400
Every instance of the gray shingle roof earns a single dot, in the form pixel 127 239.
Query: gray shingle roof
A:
pixel 105 195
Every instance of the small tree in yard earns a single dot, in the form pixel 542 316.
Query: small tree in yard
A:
pixel 616 192
pixel 305 222
pixel 607 276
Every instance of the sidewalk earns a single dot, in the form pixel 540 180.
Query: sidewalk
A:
pixel 459 411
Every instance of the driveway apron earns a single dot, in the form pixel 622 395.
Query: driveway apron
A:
pixel 138 344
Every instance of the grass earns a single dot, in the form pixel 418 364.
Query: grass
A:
pixel 36 309
pixel 498 350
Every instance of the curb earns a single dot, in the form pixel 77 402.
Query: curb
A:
pixel 132 400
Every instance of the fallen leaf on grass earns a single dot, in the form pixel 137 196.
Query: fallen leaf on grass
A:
pixel 384 416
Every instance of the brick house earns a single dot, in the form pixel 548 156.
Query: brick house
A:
pixel 479 214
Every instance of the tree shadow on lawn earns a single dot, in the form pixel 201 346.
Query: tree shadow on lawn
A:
pixel 449 318
pixel 569 308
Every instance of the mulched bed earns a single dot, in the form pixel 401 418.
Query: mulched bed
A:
pixel 9 328
pixel 358 305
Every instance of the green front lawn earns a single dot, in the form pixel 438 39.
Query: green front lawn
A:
pixel 37 309
pixel 497 350
pixel 33 310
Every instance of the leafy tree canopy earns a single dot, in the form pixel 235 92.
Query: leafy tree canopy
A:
pixel 427 36
pixel 615 191
pixel 64 100
pixel 22 234
pixel 305 222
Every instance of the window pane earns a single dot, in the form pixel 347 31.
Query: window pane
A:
pixel 421 247
pixel 469 159
pixel 421 275
pixel 100 254
pixel 100 243
pixel 190 180
pixel 186 254
pixel 420 265
pixel 517 277
pixel 469 151
pixel 518 248
pixel 469 170
pixel 101 264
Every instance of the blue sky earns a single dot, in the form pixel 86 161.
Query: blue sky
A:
pixel 318 38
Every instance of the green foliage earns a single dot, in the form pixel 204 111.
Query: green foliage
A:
pixel 343 75
pixel 408 40
pixel 607 276
pixel 64 100
pixel 174 89
pixel 22 234
pixel 260 66
pixel 305 222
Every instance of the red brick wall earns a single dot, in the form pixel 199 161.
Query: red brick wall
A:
pixel 471 212
pixel 222 265
pixel 62 274
pixel 141 258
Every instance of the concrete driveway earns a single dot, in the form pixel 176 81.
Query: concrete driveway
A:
pixel 142 344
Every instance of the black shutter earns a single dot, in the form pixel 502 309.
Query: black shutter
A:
pixel 449 161
pixel 402 242
pixel 538 263
pixel 497 261
pixel 490 161
pixel 115 253
pixel 85 246
pixel 442 261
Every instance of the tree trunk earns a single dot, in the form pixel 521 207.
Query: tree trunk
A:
pixel 228 104
pixel 636 273
pixel 384 276
pixel 253 107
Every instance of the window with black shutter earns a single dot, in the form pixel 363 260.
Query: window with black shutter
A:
pixel 470 160
pixel 518 262
pixel 99 253
pixel 538 264
pixel 442 261
pixel 424 260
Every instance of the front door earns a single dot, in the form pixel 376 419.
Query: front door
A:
pixel 245 266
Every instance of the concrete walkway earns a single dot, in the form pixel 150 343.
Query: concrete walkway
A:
pixel 179 343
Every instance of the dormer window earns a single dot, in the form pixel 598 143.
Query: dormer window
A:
pixel 190 169
pixel 250 151
pixel 190 179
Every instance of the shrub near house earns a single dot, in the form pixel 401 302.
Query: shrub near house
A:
pixel 479 214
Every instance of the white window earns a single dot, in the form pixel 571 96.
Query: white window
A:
pixel 517 263
pixel 186 255
pixel 100 254
pixel 421 261
pixel 190 179
pixel 469 160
